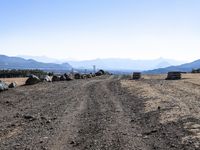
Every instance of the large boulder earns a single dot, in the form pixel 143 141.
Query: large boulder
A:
pixel 173 76
pixel 83 76
pixel 62 78
pixel 33 79
pixel 77 76
pixel 68 77
pixel 47 78
pixel 89 75
pixel 136 75
pixel 12 85
pixel 100 72
pixel 3 86
pixel 55 78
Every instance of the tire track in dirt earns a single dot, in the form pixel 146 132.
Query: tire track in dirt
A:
pixel 102 123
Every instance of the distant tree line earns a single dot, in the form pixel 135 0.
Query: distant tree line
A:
pixel 21 73
pixel 196 70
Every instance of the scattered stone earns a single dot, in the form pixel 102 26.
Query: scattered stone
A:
pixel 12 85
pixel 29 117
pixel 32 80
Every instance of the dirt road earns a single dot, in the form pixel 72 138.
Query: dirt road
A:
pixel 105 112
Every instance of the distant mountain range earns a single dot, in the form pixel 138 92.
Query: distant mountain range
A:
pixel 156 66
pixel 7 62
pixel 183 68
pixel 110 63
pixel 124 64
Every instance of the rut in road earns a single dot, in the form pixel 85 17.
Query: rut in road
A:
pixel 99 121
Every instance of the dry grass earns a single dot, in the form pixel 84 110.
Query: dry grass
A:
pixel 178 100
pixel 19 81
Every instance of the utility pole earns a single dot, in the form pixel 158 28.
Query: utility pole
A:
pixel 72 71
pixel 94 69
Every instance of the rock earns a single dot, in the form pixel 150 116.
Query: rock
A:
pixel 32 80
pixel 100 72
pixel 56 78
pixel 29 117
pixel 173 76
pixel 136 75
pixel 3 86
pixel 12 85
pixel 68 77
pixel 77 76
pixel 88 75
pixel 47 78
pixel 83 76
pixel 62 78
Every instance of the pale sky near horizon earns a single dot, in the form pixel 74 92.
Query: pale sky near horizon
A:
pixel 89 29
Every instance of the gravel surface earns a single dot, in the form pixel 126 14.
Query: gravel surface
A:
pixel 106 112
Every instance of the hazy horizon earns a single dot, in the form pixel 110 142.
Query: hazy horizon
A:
pixel 86 30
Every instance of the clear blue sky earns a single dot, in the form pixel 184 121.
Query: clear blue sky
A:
pixel 87 29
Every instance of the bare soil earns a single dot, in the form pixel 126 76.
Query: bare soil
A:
pixel 108 112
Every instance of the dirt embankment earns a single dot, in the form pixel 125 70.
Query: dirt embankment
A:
pixel 105 112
